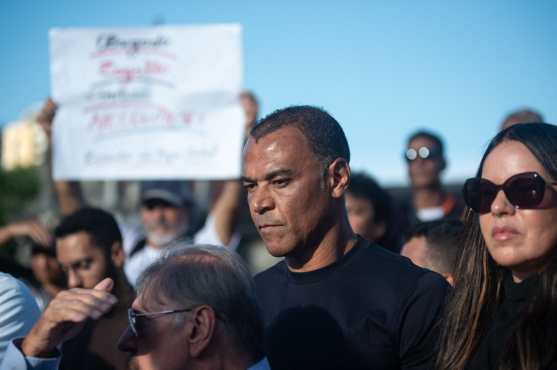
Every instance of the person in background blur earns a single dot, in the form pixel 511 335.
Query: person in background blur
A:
pixel 524 115
pixel 428 201
pixel 166 217
pixel 89 248
pixel 434 245
pixel 251 108
pixel 47 278
pixel 369 209
pixel 68 193
pixel 48 273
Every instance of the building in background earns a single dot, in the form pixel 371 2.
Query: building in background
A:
pixel 24 144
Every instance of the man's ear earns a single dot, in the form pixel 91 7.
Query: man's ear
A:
pixel 203 327
pixel 339 177
pixel 117 254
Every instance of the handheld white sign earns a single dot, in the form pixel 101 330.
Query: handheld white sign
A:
pixel 152 103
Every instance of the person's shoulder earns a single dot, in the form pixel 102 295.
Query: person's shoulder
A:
pixel 8 283
pixel 433 282
pixel 374 262
pixel 12 288
pixel 376 259
pixel 423 288
pixel 18 309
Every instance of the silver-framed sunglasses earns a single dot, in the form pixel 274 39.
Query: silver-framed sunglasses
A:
pixel 134 317
pixel 423 152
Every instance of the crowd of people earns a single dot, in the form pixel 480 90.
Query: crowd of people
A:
pixel 433 279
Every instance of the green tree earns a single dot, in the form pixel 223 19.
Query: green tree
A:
pixel 17 188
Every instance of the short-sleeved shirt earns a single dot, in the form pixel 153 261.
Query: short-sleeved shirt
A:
pixel 371 309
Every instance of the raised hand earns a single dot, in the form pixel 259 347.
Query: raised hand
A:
pixel 65 316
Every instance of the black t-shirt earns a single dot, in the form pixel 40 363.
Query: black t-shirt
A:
pixel 371 309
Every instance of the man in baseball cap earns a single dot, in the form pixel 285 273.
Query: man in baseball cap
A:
pixel 166 215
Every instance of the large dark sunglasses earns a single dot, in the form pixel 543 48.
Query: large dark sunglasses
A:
pixel 524 190
pixel 135 318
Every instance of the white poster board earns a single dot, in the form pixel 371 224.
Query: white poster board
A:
pixel 150 103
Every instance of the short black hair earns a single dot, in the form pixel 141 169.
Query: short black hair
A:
pixel 323 133
pixel 364 186
pixel 99 224
pixel 443 239
pixel 428 135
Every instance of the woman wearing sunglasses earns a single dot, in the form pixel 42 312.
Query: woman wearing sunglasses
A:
pixel 503 312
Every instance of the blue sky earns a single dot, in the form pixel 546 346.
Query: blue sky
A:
pixel 383 69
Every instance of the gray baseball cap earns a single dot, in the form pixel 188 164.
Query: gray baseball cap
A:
pixel 177 193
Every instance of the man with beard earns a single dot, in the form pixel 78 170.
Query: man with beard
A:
pixel 166 215
pixel 336 301
pixel 89 248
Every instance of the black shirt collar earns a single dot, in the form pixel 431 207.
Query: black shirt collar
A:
pixel 322 273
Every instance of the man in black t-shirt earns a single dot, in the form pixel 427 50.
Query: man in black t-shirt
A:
pixel 335 302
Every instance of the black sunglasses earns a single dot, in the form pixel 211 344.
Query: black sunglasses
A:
pixel 135 318
pixel 523 190
pixel 422 152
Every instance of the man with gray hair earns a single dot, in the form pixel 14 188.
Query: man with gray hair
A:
pixel 195 309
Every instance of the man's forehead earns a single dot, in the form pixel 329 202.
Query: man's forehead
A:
pixel 284 141
pixel 76 242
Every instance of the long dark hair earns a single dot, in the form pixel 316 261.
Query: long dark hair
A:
pixel 478 290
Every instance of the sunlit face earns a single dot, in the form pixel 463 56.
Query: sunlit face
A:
pixel 163 222
pixel 85 264
pixel 161 344
pixel 424 172
pixel 361 215
pixel 285 190
pixel 518 239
